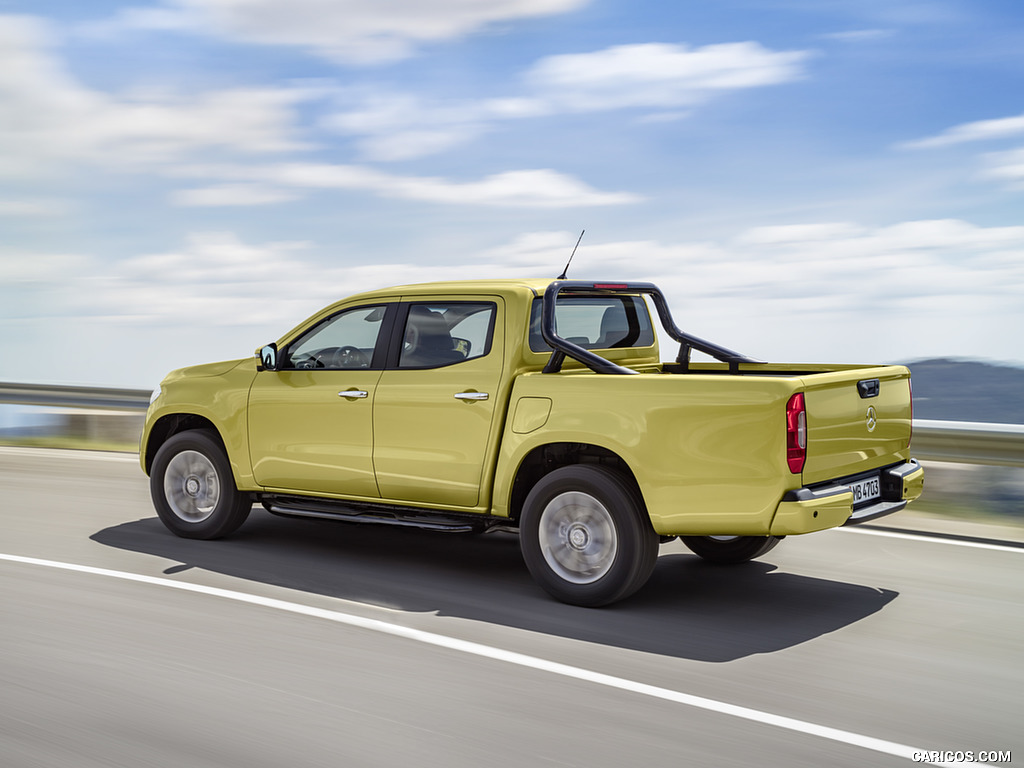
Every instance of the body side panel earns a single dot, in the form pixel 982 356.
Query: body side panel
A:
pixel 708 458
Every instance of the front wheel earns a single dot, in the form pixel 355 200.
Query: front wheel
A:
pixel 585 536
pixel 729 550
pixel 193 489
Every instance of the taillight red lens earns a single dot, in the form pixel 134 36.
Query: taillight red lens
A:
pixel 796 433
pixel 910 385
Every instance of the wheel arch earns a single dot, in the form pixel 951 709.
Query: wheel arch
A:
pixel 546 458
pixel 172 424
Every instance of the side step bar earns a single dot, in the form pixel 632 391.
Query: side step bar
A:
pixel 381 514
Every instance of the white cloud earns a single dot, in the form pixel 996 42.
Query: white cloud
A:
pixel 790 234
pixel 48 118
pixel 411 144
pixel 231 195
pixel 659 75
pixel 30 267
pixel 836 292
pixel 402 126
pixel 859 35
pixel 1006 166
pixel 32 208
pixel 217 280
pixel 348 31
pixel 818 292
pixel 950 237
pixel 843 270
pixel 664 117
pixel 981 130
pixel 915 260
pixel 214 280
pixel 653 76
pixel 541 188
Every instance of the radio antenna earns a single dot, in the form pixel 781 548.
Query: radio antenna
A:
pixel 566 270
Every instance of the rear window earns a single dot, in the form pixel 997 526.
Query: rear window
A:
pixel 596 322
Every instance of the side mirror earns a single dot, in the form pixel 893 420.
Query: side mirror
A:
pixel 266 358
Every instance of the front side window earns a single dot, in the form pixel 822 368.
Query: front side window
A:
pixel 342 342
pixel 442 333
pixel 596 322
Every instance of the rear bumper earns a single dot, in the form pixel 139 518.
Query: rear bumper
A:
pixel 830 505
pixel 901 484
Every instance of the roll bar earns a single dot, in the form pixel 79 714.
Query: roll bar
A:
pixel 564 347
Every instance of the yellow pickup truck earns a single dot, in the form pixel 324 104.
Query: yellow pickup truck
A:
pixel 541 406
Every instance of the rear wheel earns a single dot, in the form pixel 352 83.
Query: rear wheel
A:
pixel 585 536
pixel 193 489
pixel 728 550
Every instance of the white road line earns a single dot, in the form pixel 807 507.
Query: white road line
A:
pixel 510 657
pixel 933 539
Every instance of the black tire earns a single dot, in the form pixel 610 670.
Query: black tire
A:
pixel 586 537
pixel 193 489
pixel 729 550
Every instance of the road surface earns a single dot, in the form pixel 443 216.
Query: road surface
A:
pixel 307 643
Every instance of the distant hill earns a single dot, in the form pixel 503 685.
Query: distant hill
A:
pixel 966 390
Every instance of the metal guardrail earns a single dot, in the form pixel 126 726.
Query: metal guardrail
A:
pixel 107 398
pixel 954 441
pixel 969 442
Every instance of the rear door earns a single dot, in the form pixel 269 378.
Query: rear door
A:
pixel 437 404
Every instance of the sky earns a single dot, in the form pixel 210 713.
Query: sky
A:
pixel 182 181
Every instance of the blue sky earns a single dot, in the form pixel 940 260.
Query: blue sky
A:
pixel 184 180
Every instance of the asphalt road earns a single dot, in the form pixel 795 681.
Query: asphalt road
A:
pixel 339 645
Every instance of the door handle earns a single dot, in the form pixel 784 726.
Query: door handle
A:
pixel 354 393
pixel 869 388
pixel 471 396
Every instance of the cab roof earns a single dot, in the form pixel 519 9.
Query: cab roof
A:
pixel 507 286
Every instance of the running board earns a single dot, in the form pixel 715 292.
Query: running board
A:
pixel 380 514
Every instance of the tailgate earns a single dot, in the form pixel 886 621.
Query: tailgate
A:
pixel 857 420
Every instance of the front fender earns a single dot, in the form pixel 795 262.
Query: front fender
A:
pixel 218 394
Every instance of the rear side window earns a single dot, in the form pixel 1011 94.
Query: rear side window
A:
pixel 443 333
pixel 596 322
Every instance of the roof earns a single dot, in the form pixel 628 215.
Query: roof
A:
pixel 505 286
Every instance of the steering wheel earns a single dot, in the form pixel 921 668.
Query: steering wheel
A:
pixel 344 357
pixel 307 362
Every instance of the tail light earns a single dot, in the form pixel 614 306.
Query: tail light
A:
pixel 796 433
pixel 910 385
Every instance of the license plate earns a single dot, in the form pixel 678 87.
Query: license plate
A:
pixel 865 490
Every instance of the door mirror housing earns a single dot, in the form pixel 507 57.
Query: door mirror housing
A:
pixel 266 358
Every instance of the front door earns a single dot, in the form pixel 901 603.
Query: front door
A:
pixel 311 421
pixel 437 403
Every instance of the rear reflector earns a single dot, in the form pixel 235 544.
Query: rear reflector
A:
pixel 796 433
